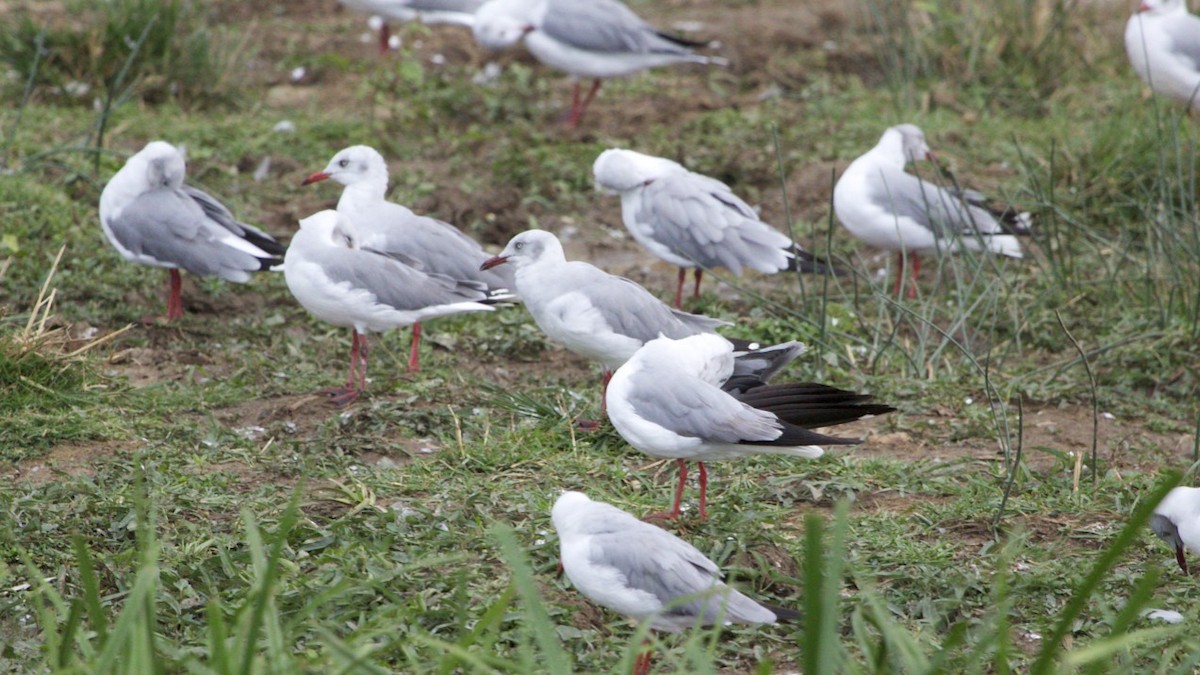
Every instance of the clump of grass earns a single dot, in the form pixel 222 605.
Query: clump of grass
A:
pixel 162 46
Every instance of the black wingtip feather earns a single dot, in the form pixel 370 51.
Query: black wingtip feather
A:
pixel 681 41
pixel 783 613
pixel 808 263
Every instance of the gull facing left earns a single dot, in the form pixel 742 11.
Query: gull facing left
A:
pixel 152 218
pixel 674 399
pixel 647 573
pixel 1162 40
pixel 368 291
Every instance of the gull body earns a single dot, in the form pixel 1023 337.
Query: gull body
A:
pixel 1162 40
pixel 1176 520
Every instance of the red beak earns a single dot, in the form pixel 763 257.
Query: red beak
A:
pixel 492 262
pixel 1143 8
pixel 315 178
pixel 1179 558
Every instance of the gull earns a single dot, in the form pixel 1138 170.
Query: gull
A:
pixel 1163 43
pixel 1176 520
pixel 597 315
pixel 430 244
pixel 647 573
pixel 152 218
pixel 596 39
pixel 691 220
pixel 889 209
pixel 670 400
pixel 454 12
pixel 344 284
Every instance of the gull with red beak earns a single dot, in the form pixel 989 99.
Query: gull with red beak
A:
pixel 1163 42
pixel 887 208
pixel 596 39
pixel 152 218
pixel 433 246
pixel 1176 520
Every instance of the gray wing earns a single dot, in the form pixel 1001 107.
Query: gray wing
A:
pixel 393 283
pixel 701 219
pixel 220 214
pixel 603 26
pixel 688 406
pixel 632 310
pixel 441 248
pixel 171 227
pixel 1185 38
pixel 934 207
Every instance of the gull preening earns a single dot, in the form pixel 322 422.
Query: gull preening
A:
pixel 672 399
pixel 647 573
pixel 341 283
pixel 600 316
pixel 431 245
pixel 1176 520
pixel 887 208
pixel 596 39
pixel 1163 43
pixel 151 217
pixel 691 220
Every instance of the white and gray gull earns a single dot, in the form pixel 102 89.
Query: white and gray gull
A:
pixel 595 39
pixel 151 217
pixel 647 573
pixel 344 284
pixel 887 208
pixel 434 246
pixel 1176 520
pixel 1163 42
pixel 693 221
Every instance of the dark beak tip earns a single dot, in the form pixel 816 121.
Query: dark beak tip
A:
pixel 492 262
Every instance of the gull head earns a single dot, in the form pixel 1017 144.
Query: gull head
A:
pixel 1160 7
pixel 1180 506
pixel 527 248
pixel 355 164
pixel 569 506
pixel 500 24
pixel 618 170
pixel 165 167
pixel 912 141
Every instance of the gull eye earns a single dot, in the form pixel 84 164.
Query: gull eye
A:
pixel 344 163
pixel 519 245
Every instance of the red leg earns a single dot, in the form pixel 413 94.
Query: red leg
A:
pixel 413 364
pixel 703 492
pixel 604 390
pixel 385 36
pixel 696 291
pixel 675 510
pixel 175 297
pixel 679 288
pixel 353 378
pixel 362 355
pixel 641 664
pixel 579 107
pixel 348 393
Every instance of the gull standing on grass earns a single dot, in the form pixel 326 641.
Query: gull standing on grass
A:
pixel 647 573
pixel 152 218
pixel 672 400
pixel 455 12
pixel 1176 520
pixel 889 209
pixel 595 314
pixel 693 221
pixel 595 39
pixel 340 282
pixel 431 245
pixel 1163 43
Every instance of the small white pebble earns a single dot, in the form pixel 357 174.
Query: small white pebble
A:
pixel 488 74
pixel 298 73
pixel 1033 636
pixel 427 451
pixel 263 170
pixel 394 42
pixel 437 60
pixel 969 400
pixel 284 127
pixel 375 23
pixel 1108 416
pixel 829 45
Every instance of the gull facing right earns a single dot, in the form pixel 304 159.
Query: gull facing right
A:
pixel 647 573
pixel 673 399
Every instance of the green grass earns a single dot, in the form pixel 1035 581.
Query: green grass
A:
pixel 178 500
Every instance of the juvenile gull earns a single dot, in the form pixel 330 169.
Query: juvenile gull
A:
pixel 889 209
pixel 1163 43
pixel 671 399
pixel 1176 520
pixel 693 221
pixel 344 284
pixel 647 573
pixel 152 218
pixel 431 245
pixel 598 315
pixel 595 39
